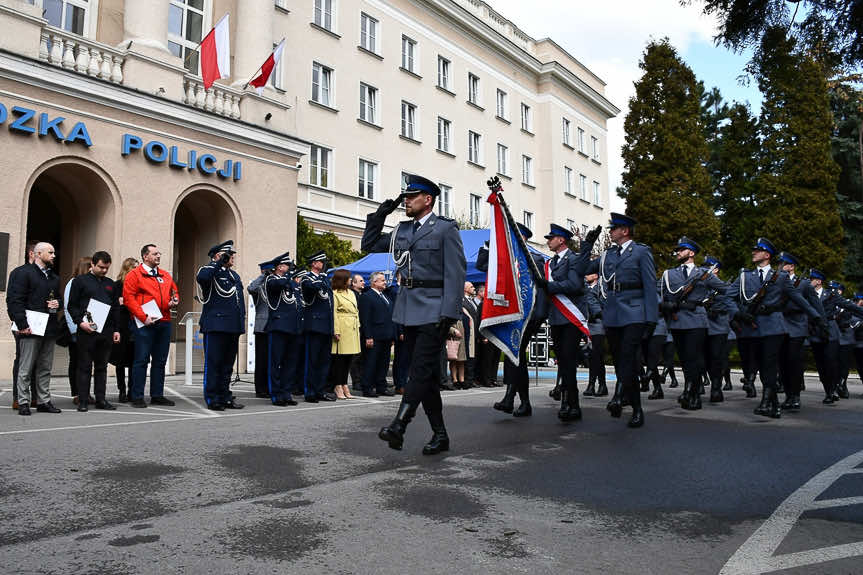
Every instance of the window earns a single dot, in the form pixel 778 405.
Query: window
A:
pixel 444 199
pixel 473 89
pixel 474 141
pixel 526 120
pixel 527 170
pixel 584 229
pixel 72 15
pixel 276 76
pixel 501 104
pixel 597 199
pixel 502 159
pixel 566 132
pixel 282 4
pixel 324 11
pixel 582 187
pixel 185 25
pixel 409 53
pixel 528 220
pixel 443 134
pixel 404 184
pixel 368 33
pixel 594 147
pixel 367 179
pixel 322 80
pixel 570 224
pixel 368 103
pixel 567 180
pixel 319 168
pixel 443 76
pixel 474 209
pixel 409 120
pixel 581 140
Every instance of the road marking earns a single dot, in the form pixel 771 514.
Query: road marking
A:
pixel 93 426
pixel 206 412
pixel 756 555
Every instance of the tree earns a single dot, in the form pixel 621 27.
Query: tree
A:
pixel 339 252
pixel 847 105
pixel 665 182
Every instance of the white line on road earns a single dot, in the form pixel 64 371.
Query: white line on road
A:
pixel 206 412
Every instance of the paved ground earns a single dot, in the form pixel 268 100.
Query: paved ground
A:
pixel 309 489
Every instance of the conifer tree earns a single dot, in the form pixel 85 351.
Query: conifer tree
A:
pixel 847 104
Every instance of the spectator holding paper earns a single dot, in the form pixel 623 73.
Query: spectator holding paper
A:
pixel 149 294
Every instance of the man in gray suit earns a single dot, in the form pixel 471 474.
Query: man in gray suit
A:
pixel 428 253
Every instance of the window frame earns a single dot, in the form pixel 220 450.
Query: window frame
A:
pixel 581 143
pixel 502 104
pixel 473 89
pixel 526 118
pixel 566 127
pixel 187 46
pixel 502 168
pixel 444 71
pixel 370 187
pixel 594 145
pixel 568 181
pixel 446 134
pixel 526 169
pixel 371 94
pixel 316 171
pixel 444 202
pixel 474 147
pixel 527 219
pixel 597 194
pixel 411 121
pixel 582 187
pixel 413 57
pixel 375 47
pixel 473 209
pixel 333 12
pixel 329 73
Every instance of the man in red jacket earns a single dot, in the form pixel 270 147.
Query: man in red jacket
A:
pixel 152 332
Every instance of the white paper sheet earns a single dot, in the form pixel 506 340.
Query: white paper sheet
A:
pixel 99 311
pixel 37 321
pixel 151 308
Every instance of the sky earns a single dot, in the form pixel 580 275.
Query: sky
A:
pixel 610 37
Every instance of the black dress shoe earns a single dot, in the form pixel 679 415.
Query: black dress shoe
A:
pixel 447 386
pixel 555 392
pixel 23 409
pixel 370 394
pixel 387 393
pixel 791 403
pixel 290 401
pixel 311 399
pixel 262 395
pixel 523 410
pixel 602 390
pixel 123 397
pixel 216 407
pixel 139 402
pixel 280 403
pixel 82 406
pixel 327 397
pixel 614 407
pixel 47 407
pixel 716 395
pixel 657 393
pixel 161 400
pixel 234 405
pixel 105 405
pixel 637 419
pixel 828 400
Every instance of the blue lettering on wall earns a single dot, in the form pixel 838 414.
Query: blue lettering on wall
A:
pixel 156 152
pixel 24 116
pixel 79 134
pixel 159 153
pixel 46 126
pixel 130 143
pixel 173 161
pixel 205 163
pixel 3 113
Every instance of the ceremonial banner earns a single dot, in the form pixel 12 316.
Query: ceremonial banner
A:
pixel 510 291
pixel 566 307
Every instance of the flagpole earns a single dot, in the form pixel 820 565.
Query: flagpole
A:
pixel 494 186
pixel 261 67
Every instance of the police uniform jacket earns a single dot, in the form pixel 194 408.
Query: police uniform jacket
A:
pixel 224 303
pixel 768 317
pixel 857 326
pixel 318 300
pixel 255 291
pixel 629 283
pixel 595 305
pixel 690 313
pixel 721 309
pixel 376 316
pixel 433 254
pixel 566 280
pixel 286 305
pixel 796 320
pixel 844 313
pixel 541 303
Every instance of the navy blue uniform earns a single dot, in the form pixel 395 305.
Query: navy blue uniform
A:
pixel 318 328
pixel 285 335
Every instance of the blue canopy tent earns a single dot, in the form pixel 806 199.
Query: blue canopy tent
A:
pixel 472 241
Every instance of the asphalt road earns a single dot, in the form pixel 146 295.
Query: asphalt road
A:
pixel 310 489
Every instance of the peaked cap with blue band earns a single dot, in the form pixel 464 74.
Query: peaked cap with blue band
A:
pixel 689 244
pixel 858 295
pixel 713 261
pixel 558 231
pixel 416 184
pixel 836 285
pixel 285 258
pixel 621 220
pixel 268 265
pixel 817 274
pixel 318 257
pixel 789 258
pixel 227 246
pixel 765 245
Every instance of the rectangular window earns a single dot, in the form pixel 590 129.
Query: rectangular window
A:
pixel 526 120
pixel 567 180
pixel 527 170
pixel 444 200
pixel 474 209
pixel 528 220
pixel 584 229
pixel 323 13
pixel 566 132
pixel 474 141
pixel 276 76
pixel 597 199
pixel 368 178
pixel 594 148
pixel 443 134
pixel 501 104
pixel 319 166
pixel 582 187
pixel 409 119
pixel 404 184
pixel 185 27
pixel 70 15
pixel 322 78
pixel 473 89
pixel 443 75
pixel 409 49
pixel 570 224
pixel 368 103
pixel 581 141
pixel 502 159
pixel 368 33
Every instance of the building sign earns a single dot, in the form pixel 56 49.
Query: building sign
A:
pixel 25 121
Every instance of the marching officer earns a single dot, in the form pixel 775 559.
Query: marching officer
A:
pixel 429 255
pixel 653 349
pixel 222 321
pixel 595 305
pixel 719 308
pixel 761 294
pixel 318 327
pixel 284 329
pixel 846 341
pixel 628 281
pixel 261 346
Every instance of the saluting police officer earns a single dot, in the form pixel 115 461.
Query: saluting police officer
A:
pixel 318 327
pixel 428 253
pixel 628 280
pixel 222 321
pixel 284 328
pixel 261 346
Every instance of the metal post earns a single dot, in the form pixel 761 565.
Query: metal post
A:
pixel 190 334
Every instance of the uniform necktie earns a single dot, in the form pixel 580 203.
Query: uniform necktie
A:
pixel 417 225
pixel 685 270
pixel 555 259
pixel 619 250
pixel 761 271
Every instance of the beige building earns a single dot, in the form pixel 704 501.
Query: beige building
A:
pixel 109 140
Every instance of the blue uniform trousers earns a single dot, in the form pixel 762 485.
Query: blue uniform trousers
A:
pixel 318 348
pixel 220 351
pixel 376 363
pixel 284 351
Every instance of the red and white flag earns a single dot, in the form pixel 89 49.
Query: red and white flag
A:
pixel 216 53
pixel 267 69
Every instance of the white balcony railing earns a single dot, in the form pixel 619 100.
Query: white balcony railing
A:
pixel 218 99
pixel 84 56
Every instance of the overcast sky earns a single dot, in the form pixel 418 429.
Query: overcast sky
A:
pixel 609 38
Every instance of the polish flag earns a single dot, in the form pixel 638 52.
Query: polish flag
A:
pixel 216 53
pixel 267 69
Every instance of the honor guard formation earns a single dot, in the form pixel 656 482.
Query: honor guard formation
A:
pixel 313 330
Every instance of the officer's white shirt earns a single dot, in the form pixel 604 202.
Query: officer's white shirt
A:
pixel 148 268
pixel 818 290
pixel 689 267
pixel 424 219
pixel 765 267
pixel 625 245
pixel 559 256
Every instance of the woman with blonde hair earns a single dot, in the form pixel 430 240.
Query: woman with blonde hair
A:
pixel 123 353
pixel 346 333
pixel 81 268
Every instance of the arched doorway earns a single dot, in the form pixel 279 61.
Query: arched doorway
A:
pixel 202 218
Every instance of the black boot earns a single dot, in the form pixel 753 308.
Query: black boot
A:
pixel 842 389
pixel 657 387
pixel 727 376
pixel 637 419
pixel 555 392
pixel 569 408
pixel 773 409
pixel 440 440
pixel 602 391
pixel 644 382
pixel 749 387
pixel 791 403
pixel 523 409
pixel 673 377
pixel 615 406
pixel 394 433
pixel 701 380
pixel 763 407
pixel 684 397
pixel 506 404
pixel 692 401
pixel 591 388
pixel 716 391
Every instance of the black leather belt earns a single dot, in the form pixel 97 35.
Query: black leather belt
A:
pixel 411 283
pixel 624 286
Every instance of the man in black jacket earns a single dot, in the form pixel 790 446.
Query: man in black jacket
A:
pixel 94 345
pixel 378 333
pixel 35 288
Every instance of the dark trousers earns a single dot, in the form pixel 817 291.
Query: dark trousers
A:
pixel 624 343
pixel 715 356
pixel 597 358
pixel 766 353
pixel 653 356
pixel 791 365
pixel 72 368
pixel 845 352
pixel 340 367
pixel 93 351
pixel 284 354
pixel 566 338
pixel 423 345
pixel 318 348
pixel 668 355
pixel 518 376
pixel 358 369
pixel 299 386
pixel 690 351
pixel 858 359
pixel 401 365
pixel 748 358
pixel 152 343
pixel 262 363
pixel 375 366
pixel 486 362
pixel 220 352
pixel 726 357
pixel 827 362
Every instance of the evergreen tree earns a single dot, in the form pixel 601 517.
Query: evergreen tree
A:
pixel 847 105
pixel 339 252
pixel 665 182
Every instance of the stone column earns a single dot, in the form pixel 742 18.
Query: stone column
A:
pixel 252 40
pixel 145 23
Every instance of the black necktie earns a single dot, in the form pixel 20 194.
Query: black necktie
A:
pixel 619 250
pixel 555 259
pixel 417 225
pixel 761 271
pixel 685 271
pixel 385 298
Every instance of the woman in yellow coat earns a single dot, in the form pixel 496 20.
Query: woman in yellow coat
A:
pixel 346 333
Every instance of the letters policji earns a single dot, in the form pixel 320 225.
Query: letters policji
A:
pixel 29 121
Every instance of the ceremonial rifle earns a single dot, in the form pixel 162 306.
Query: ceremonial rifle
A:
pixel 687 289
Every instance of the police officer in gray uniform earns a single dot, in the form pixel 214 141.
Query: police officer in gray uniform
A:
pixel 719 308
pixel 261 341
pixel 429 255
